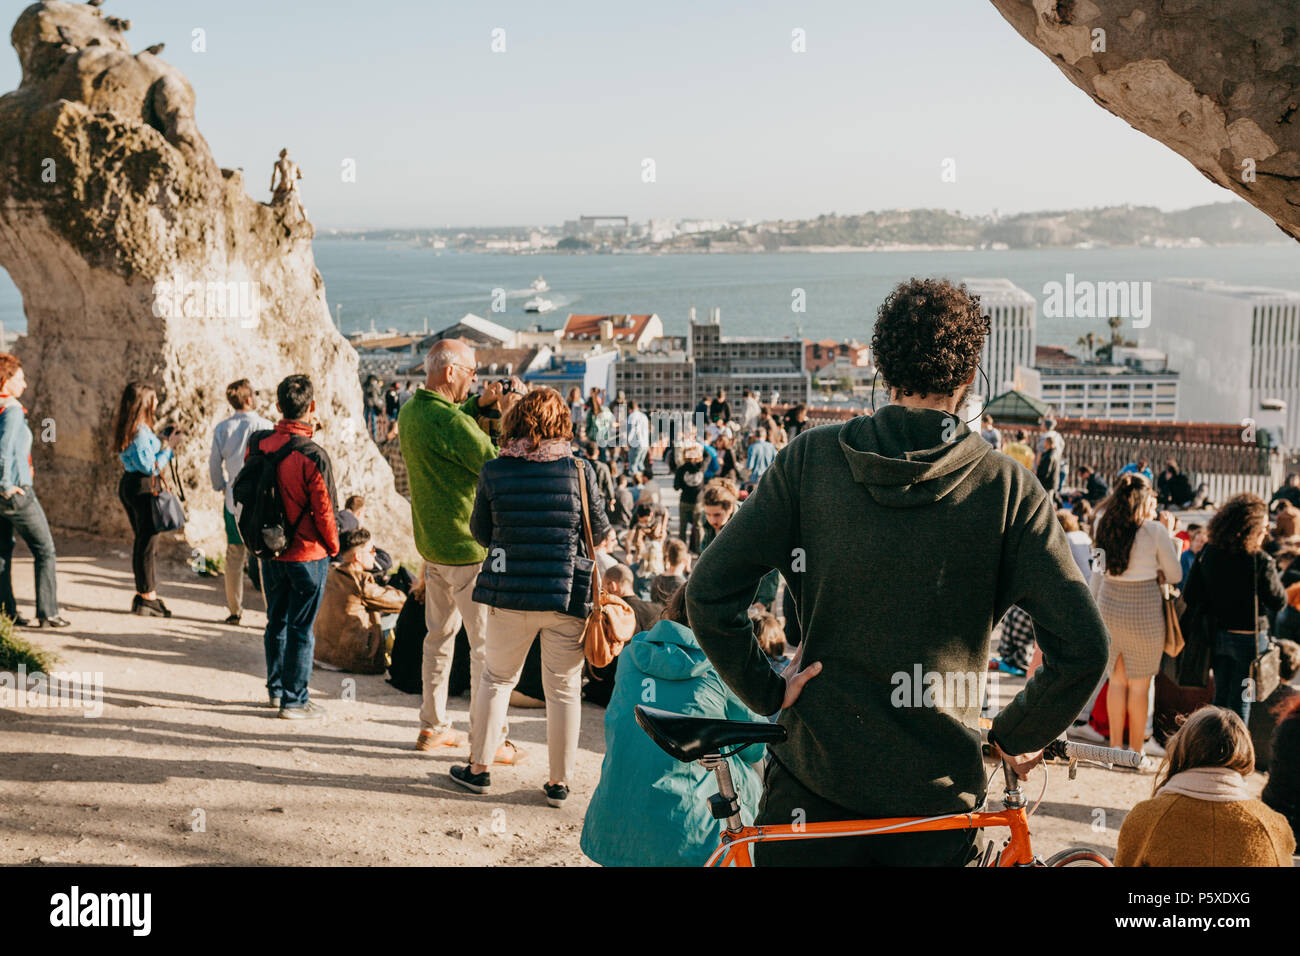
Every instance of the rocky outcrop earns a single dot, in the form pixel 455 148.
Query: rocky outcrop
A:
pixel 1218 83
pixel 138 257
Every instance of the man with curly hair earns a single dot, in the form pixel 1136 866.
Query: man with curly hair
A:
pixel 904 537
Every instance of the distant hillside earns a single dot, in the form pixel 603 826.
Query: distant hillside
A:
pixel 1230 223
pixel 911 226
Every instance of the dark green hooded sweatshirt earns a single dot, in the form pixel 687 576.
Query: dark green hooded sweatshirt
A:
pixel 903 550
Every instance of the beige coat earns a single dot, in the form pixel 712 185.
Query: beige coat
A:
pixel 348 634
pixel 1178 830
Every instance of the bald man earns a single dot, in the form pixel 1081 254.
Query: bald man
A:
pixel 444 448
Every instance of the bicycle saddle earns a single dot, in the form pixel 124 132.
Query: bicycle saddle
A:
pixel 690 738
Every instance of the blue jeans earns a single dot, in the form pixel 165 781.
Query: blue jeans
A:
pixel 293 590
pixel 22 515
pixel 1231 662
pixel 636 459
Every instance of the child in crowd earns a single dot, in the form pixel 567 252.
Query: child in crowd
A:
pixel 649 809
pixel 677 565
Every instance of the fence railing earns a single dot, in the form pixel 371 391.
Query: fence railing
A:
pixel 1226 467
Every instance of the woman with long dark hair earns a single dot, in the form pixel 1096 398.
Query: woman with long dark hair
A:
pixel 1136 547
pixel 143 455
pixel 536 579
pixel 1232 577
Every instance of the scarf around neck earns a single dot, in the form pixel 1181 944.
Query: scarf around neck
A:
pixel 1217 784
pixel 552 449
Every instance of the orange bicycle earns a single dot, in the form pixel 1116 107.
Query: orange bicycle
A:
pixel 711 741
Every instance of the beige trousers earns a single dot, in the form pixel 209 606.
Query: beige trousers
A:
pixel 509 636
pixel 235 554
pixel 448 604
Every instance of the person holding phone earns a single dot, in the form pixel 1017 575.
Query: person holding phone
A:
pixel 143 454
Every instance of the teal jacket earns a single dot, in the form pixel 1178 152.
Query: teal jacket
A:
pixel 649 809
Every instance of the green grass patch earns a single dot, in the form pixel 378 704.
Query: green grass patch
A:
pixel 16 651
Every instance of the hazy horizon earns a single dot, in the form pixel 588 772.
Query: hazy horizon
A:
pixel 445 131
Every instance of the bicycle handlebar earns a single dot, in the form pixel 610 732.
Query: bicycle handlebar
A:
pixel 1070 749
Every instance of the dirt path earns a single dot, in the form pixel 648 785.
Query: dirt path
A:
pixel 186 764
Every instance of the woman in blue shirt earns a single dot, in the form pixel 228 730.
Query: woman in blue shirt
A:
pixel 142 455
pixel 20 512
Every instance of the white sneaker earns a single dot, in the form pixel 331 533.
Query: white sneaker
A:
pixel 1153 748
pixel 1085 733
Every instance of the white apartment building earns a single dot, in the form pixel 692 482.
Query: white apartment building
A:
pixel 1236 345
pixel 1094 390
pixel 1011 340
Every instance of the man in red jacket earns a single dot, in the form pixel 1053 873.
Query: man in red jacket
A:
pixel 294 582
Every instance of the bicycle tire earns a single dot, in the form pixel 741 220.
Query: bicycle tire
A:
pixel 1078 856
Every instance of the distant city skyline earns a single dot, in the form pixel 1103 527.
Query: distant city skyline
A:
pixel 443 131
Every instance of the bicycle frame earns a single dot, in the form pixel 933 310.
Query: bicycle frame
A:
pixel 737 839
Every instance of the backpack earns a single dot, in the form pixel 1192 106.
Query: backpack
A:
pixel 259 508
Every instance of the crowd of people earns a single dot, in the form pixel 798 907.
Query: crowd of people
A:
pixel 804 570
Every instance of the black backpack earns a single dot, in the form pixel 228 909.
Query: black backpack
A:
pixel 259 509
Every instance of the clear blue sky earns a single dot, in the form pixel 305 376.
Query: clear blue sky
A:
pixel 444 131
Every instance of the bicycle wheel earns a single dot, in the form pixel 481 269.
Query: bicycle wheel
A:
pixel 1078 856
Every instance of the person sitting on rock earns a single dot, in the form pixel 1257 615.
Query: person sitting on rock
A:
pixel 353 513
pixel 349 627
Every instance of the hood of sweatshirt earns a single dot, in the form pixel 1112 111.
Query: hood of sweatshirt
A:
pixel 668 652
pixel 910 457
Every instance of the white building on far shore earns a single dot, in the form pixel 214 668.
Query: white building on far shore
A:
pixel 1237 345
pixel 1013 316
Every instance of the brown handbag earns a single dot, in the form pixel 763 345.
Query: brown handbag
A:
pixel 611 622
pixel 1173 631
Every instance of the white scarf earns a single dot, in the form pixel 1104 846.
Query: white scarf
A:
pixel 1217 784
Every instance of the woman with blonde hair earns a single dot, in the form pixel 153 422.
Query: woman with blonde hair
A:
pixel 1200 812
pixel 536 579
pixel 1137 548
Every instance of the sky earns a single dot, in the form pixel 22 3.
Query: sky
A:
pixel 441 130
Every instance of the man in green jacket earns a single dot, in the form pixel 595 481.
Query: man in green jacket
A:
pixel 444 448
pixel 904 538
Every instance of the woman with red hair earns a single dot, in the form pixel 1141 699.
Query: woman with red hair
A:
pixel 20 512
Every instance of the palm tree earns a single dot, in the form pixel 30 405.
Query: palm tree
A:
pixel 1088 341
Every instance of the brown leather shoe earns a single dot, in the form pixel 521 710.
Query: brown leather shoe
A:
pixel 431 739
pixel 508 755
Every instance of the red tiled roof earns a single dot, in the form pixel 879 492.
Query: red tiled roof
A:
pixel 1053 355
pixel 588 326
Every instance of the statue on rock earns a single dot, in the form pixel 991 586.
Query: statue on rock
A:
pixel 284 189
pixel 288 173
pixel 138 257
pixel 1218 83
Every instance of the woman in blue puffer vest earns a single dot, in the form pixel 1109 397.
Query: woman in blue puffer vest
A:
pixel 536 578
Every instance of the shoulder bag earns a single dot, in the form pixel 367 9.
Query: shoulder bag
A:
pixel 1174 642
pixel 1265 669
pixel 164 508
pixel 611 622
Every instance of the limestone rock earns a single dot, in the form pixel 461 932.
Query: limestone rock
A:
pixel 138 257
pixel 1218 83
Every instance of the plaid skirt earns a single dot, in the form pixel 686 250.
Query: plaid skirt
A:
pixel 1134 614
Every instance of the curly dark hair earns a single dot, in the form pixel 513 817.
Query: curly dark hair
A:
pixel 928 336
pixel 1239 520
